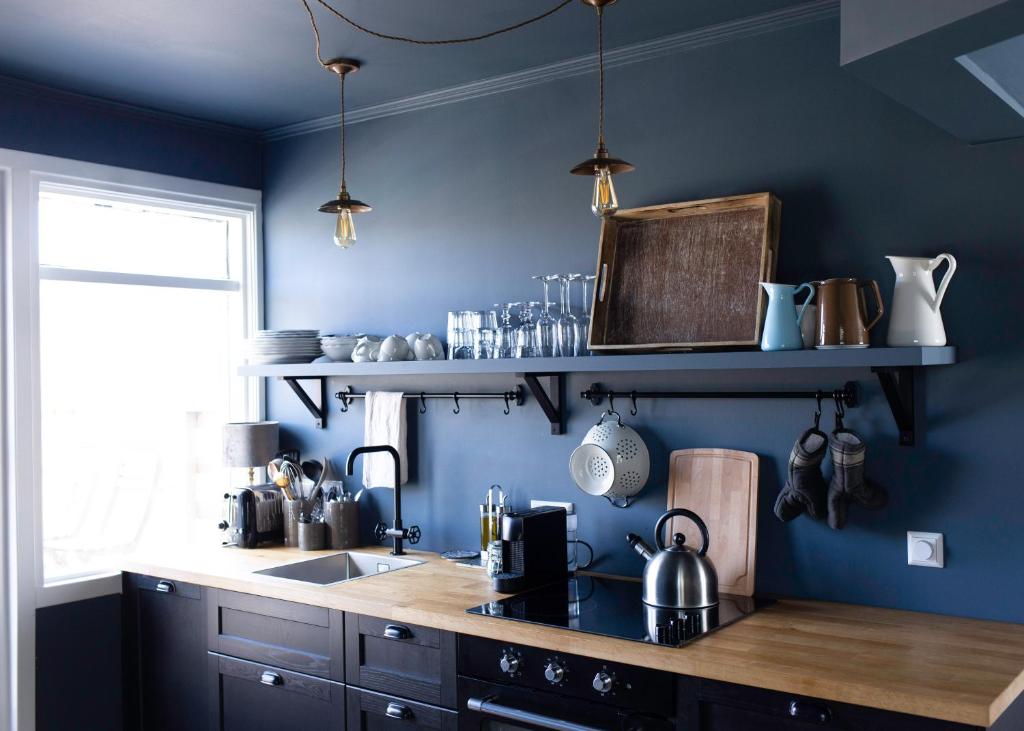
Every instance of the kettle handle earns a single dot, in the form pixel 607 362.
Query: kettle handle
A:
pixel 684 513
pixel 880 308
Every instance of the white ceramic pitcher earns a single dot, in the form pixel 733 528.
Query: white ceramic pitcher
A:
pixel 915 318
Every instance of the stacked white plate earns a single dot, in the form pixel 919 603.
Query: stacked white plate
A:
pixel 284 346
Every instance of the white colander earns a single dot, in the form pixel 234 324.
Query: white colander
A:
pixel 612 461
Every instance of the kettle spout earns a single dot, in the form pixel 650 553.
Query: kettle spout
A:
pixel 638 545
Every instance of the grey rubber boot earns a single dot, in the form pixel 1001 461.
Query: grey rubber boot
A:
pixel 805 489
pixel 848 482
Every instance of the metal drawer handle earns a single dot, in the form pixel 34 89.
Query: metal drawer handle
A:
pixel 269 677
pixel 811 712
pixel 397 710
pixel 164 587
pixel 487 707
pixel 397 632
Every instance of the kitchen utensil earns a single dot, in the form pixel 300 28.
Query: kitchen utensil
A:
pixel 915 318
pixel 339 347
pixel 677 577
pixel 459 554
pixel 613 460
pixel 782 323
pixel 505 336
pixel 283 346
pixel 685 275
pixel 843 315
pixel 722 485
pixel 585 318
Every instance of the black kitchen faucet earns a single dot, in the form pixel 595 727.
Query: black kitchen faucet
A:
pixel 396 531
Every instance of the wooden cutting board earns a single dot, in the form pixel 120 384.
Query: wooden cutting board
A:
pixel 719 485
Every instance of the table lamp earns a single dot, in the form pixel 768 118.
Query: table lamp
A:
pixel 250 443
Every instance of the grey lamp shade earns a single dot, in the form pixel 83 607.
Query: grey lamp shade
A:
pixel 250 443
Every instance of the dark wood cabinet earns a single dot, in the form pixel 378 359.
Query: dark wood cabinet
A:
pixel 164 654
pixel 248 696
pixel 706 705
pixel 287 635
pixel 400 659
pixel 369 711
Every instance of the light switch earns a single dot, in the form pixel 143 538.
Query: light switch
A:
pixel 925 549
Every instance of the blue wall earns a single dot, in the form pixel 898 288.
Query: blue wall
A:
pixel 50 122
pixel 470 199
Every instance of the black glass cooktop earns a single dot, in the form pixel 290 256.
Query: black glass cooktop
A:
pixel 614 608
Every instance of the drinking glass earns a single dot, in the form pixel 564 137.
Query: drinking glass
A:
pixel 453 333
pixel 584 317
pixel 464 335
pixel 484 343
pixel 567 326
pixel 505 336
pixel 526 342
pixel 545 324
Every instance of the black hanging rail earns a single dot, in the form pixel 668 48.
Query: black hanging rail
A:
pixel 848 395
pixel 514 397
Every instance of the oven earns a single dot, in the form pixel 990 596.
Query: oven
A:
pixel 504 687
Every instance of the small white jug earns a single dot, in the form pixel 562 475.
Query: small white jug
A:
pixel 915 317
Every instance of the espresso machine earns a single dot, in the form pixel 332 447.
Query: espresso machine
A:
pixel 533 549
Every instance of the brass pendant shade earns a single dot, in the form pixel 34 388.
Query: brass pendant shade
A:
pixel 602 160
pixel 342 202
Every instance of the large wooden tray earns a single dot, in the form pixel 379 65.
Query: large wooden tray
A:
pixel 685 275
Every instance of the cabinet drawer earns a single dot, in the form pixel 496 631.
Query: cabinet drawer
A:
pixel 400 659
pixel 369 711
pixel 248 696
pixel 714 706
pixel 286 635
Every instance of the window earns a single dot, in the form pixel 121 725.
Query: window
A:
pixel 143 306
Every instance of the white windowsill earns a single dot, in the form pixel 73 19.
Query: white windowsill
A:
pixel 78 589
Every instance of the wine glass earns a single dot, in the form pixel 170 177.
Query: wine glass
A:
pixel 526 343
pixel 546 323
pixel 584 317
pixel 505 336
pixel 567 325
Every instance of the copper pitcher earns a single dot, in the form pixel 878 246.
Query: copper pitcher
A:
pixel 843 313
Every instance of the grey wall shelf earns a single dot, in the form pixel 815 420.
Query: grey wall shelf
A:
pixel 894 367
pixel 751 360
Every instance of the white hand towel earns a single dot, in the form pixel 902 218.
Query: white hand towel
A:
pixel 384 424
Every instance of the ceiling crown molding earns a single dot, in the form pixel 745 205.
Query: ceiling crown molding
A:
pixel 753 25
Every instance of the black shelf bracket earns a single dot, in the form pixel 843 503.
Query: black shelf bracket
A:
pixel 317 410
pixel 547 389
pixel 898 386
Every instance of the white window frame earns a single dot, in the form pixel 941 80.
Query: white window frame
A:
pixel 21 176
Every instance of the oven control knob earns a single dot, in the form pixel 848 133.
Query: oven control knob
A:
pixel 510 662
pixel 604 682
pixel 554 672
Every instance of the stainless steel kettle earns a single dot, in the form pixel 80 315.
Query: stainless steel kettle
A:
pixel 677 577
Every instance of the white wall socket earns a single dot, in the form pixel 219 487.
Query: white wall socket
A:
pixel 570 508
pixel 925 549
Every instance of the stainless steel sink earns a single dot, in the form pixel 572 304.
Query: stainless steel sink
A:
pixel 340 567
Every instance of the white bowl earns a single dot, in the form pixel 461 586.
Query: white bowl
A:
pixel 339 351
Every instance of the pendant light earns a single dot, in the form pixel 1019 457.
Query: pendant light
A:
pixel 602 166
pixel 344 205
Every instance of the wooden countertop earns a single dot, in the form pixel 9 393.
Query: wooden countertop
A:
pixel 962 670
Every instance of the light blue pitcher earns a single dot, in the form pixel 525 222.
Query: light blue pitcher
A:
pixel 782 323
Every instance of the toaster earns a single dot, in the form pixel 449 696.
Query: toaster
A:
pixel 253 515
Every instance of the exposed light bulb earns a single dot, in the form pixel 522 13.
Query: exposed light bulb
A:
pixel 605 202
pixel 345 230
